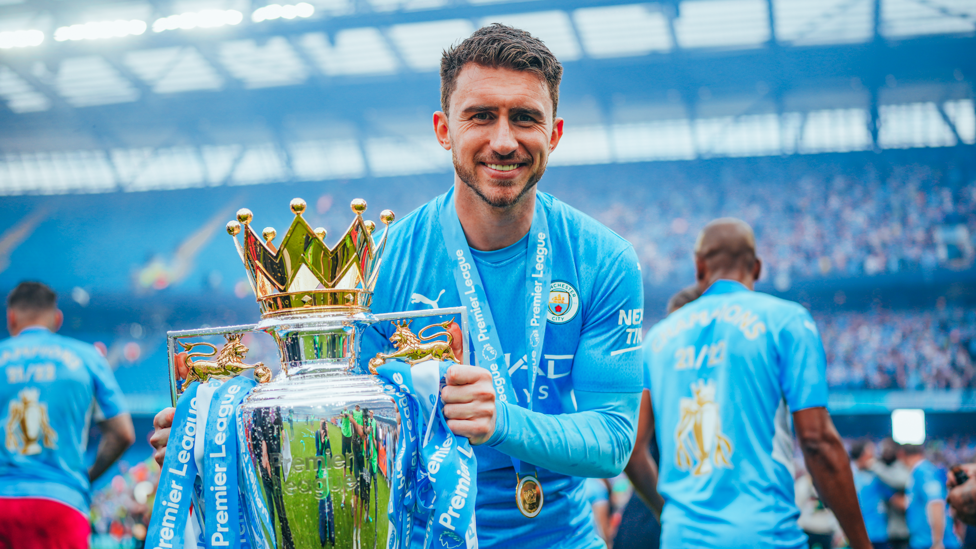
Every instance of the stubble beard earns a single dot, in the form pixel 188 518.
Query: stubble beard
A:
pixel 470 178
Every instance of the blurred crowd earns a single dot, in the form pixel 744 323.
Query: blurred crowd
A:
pixel 900 350
pixel 810 221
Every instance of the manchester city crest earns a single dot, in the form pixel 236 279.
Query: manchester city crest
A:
pixel 563 303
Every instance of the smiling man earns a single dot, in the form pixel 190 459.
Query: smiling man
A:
pixel 555 301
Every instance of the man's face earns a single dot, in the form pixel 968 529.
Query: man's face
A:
pixel 500 132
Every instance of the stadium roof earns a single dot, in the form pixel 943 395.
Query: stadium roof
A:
pixel 118 95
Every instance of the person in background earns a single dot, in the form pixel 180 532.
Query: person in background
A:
pixel 895 475
pixel 598 494
pixel 51 384
pixel 872 494
pixel 640 525
pixel 727 372
pixel 929 525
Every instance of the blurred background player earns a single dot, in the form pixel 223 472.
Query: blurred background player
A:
pixel 929 523
pixel 640 525
pixel 873 494
pixel 750 359
pixel 893 473
pixel 54 385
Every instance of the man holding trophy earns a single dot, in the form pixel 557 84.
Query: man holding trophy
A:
pixel 554 305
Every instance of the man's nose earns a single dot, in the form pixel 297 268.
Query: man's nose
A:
pixel 503 140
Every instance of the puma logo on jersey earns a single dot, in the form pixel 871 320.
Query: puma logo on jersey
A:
pixel 418 298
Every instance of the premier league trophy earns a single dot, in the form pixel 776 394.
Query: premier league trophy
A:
pixel 315 442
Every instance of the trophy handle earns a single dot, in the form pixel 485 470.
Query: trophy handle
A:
pixel 411 350
pixel 173 341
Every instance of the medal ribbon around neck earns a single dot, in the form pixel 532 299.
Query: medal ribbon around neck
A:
pixel 484 334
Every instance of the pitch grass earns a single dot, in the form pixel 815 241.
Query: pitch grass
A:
pixel 303 508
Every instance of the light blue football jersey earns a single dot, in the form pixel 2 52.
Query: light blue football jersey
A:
pixel 725 371
pixel 51 385
pixel 873 496
pixel 927 484
pixel 592 343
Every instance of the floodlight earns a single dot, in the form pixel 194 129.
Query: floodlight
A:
pixel 203 19
pixel 97 30
pixel 908 426
pixel 278 11
pixel 20 39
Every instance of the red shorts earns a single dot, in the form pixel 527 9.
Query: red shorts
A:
pixel 35 523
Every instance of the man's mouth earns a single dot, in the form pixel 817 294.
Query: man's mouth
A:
pixel 503 167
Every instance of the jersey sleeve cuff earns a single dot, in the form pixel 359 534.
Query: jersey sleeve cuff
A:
pixel 501 424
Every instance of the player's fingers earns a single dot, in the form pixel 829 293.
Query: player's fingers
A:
pixel 462 374
pixel 158 441
pixel 463 394
pixel 471 410
pixel 457 341
pixel 164 419
pixel 182 370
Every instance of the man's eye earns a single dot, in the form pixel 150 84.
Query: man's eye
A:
pixel 481 116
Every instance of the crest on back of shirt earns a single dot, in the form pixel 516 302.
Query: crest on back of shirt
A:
pixel 28 425
pixel 563 303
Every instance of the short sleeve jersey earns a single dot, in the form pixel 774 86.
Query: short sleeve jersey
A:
pixel 873 496
pixel 926 485
pixel 592 343
pixel 51 384
pixel 725 371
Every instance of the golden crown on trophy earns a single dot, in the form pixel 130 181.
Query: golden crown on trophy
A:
pixel 303 274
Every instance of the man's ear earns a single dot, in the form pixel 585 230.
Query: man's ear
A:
pixel 757 270
pixel 58 320
pixel 557 134
pixel 441 130
pixel 701 273
pixel 11 321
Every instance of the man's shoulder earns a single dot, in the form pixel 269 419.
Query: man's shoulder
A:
pixel 419 219
pixel 85 351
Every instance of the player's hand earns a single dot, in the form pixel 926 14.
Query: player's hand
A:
pixel 182 370
pixel 469 402
pixel 162 422
pixel 962 497
pixel 457 340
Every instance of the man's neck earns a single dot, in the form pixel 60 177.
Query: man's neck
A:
pixel 488 228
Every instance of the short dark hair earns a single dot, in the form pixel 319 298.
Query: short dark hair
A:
pixel 857 449
pixel 32 296
pixel 500 46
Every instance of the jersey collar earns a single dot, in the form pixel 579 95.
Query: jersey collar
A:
pixel 34 329
pixel 724 286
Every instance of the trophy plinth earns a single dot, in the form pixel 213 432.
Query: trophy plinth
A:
pixel 318 440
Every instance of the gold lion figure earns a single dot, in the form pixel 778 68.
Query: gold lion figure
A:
pixel 417 348
pixel 229 362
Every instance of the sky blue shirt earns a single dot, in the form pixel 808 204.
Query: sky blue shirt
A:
pixel 927 484
pixel 873 496
pixel 592 343
pixel 51 386
pixel 725 372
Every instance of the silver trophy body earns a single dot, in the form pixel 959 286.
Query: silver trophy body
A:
pixel 304 482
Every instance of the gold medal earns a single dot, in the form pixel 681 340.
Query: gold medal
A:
pixel 528 496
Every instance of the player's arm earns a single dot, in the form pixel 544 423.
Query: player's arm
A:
pixel 642 469
pixel 117 435
pixel 830 469
pixel 117 430
pixel 594 441
pixel 935 513
pixel 803 379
